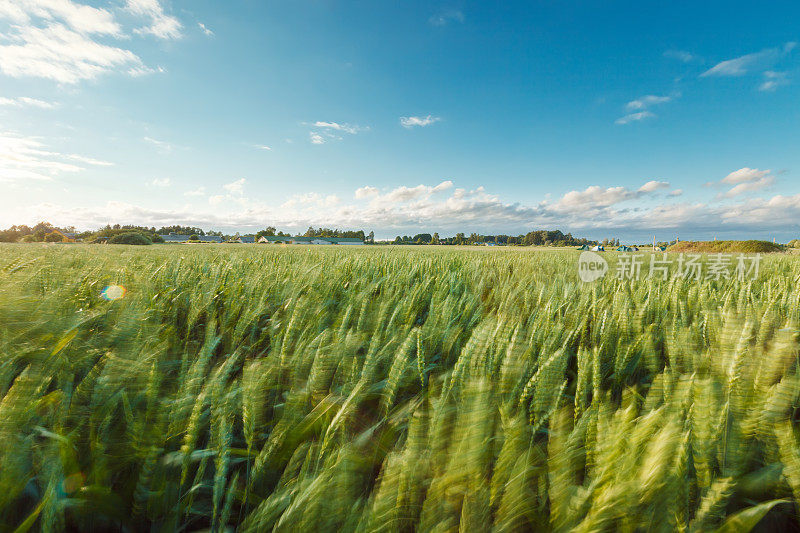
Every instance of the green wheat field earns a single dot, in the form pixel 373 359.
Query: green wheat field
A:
pixel 258 388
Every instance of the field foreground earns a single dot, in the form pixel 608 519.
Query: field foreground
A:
pixel 303 389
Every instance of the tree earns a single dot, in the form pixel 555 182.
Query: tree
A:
pixel 398 240
pixel 194 237
pixel 54 236
pixel 371 237
pixel 269 231
pixel 133 237
pixel 459 238
pixel 435 239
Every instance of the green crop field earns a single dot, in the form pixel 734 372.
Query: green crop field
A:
pixel 258 388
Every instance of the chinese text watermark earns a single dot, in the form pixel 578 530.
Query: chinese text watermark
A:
pixel 697 267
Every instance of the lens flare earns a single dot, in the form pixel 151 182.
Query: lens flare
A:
pixel 114 292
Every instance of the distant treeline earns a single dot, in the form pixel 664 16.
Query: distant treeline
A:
pixel 47 232
pixel 532 238
pixel 44 232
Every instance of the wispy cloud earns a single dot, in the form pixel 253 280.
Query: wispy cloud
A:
pixel 634 117
pixel 205 29
pixel 445 207
pixel 758 61
pixel 163 146
pixel 234 194
pixel 344 128
pixel 773 80
pixel 366 192
pixel 235 187
pixel 327 131
pixel 81 18
pixel 681 55
pixel 161 25
pixel 653 186
pixel 24 101
pixel 263 147
pixel 311 199
pixel 28 158
pixel 160 182
pixel 595 197
pixel 647 101
pixel 89 160
pixel 66 41
pixel 445 17
pixel 411 122
pixel 200 191
pixel 745 180
pixel 639 109
pixel 60 53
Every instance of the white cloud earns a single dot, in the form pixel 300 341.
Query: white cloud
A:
pixel 81 18
pixel 744 175
pixel 236 187
pixel 344 128
pixel 66 41
pixel 634 117
pixel 410 122
pixel 61 54
pixel 594 197
pixel 443 186
pixel 161 25
pixel 163 146
pixel 366 192
pixel 676 192
pixel 89 160
pixel 311 199
pixel 754 186
pixel 745 180
pixel 680 55
pixel 263 147
pixel 647 101
pixel 773 80
pixel 24 101
pixel 453 209
pixel 204 29
pixel 639 109
pixel 160 182
pixel 406 194
pixel 739 66
pixel 28 158
pixel 200 191
pixel 653 186
pixel 447 16
pixel 137 72
pixel 330 131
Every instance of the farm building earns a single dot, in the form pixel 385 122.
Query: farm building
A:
pixel 176 237
pixel 66 236
pixel 309 240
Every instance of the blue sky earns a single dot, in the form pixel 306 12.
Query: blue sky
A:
pixel 621 119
